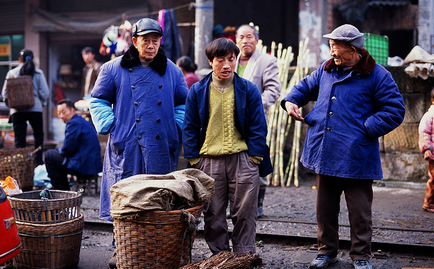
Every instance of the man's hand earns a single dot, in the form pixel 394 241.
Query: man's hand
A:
pixel 293 111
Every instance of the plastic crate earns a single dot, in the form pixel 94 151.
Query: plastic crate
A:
pixel 378 47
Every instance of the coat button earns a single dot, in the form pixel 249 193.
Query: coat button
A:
pixel 136 103
pixel 159 103
pixel 157 137
pixel 160 86
pixel 333 98
pixel 331 114
pixel 133 86
pixel 130 70
pixel 139 137
pixel 137 120
pixel 158 121
pixel 328 129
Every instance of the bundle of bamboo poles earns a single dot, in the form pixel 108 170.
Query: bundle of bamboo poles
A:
pixel 279 123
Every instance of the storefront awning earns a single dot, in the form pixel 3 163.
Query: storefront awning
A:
pixel 91 22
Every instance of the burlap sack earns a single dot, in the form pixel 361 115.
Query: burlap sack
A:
pixel 132 195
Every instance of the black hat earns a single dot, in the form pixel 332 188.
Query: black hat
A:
pixel 146 26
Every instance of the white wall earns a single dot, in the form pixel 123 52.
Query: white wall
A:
pixel 426 25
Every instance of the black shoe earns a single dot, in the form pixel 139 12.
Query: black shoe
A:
pixel 260 212
pixel 322 261
pixel 112 261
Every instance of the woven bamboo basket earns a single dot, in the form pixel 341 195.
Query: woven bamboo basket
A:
pixel 20 92
pixel 19 164
pixel 157 239
pixel 30 208
pixel 53 246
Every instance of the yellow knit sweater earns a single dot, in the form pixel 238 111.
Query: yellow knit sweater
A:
pixel 222 137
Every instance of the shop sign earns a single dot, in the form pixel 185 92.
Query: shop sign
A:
pixel 4 49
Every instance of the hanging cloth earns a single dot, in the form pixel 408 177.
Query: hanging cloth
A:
pixel 171 44
pixel 160 20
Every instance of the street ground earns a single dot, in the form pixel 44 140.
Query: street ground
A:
pixel 398 220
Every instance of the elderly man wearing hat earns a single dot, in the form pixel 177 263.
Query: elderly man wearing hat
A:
pixel 134 100
pixel 357 101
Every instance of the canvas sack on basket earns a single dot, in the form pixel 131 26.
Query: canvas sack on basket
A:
pixel 20 94
pixel 156 216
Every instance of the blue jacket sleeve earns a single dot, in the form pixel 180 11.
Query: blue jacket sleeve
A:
pixel 257 131
pixel 390 107
pixel 305 90
pixel 181 88
pixel 179 116
pixel 71 142
pixel 191 125
pixel 102 115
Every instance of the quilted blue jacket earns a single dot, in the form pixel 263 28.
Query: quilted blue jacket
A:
pixel 249 119
pixel 353 109
pixel 135 105
pixel 81 147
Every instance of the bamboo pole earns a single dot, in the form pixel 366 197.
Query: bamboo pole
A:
pixel 279 123
pixel 291 171
pixel 297 150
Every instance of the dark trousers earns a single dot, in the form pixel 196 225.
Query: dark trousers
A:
pixel 237 183
pixel 56 171
pixel 19 120
pixel 428 202
pixel 359 196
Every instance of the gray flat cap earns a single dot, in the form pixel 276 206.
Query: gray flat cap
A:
pixel 348 34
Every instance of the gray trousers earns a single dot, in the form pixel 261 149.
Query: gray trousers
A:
pixel 359 196
pixel 237 182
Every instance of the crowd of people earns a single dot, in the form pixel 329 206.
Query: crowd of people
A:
pixel 149 107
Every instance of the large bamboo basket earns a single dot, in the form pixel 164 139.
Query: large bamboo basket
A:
pixel 20 92
pixel 156 239
pixel 53 246
pixel 19 164
pixel 30 208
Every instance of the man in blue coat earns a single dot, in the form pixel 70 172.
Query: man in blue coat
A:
pixel 133 101
pixel 80 153
pixel 357 101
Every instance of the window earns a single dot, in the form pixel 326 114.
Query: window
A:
pixel 10 47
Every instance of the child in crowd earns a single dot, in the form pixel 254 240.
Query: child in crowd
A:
pixel 426 140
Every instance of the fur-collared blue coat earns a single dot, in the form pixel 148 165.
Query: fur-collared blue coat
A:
pixel 353 109
pixel 135 105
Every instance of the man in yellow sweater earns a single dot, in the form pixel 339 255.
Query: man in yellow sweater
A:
pixel 224 135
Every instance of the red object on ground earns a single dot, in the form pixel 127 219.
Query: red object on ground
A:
pixel 10 245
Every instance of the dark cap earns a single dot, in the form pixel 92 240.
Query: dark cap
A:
pixel 88 49
pixel 349 34
pixel 146 26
